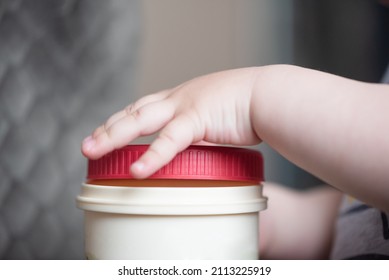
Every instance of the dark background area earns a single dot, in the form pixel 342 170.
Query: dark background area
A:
pixel 348 37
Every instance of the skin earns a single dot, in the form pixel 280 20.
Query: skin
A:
pixel 333 127
pixel 298 225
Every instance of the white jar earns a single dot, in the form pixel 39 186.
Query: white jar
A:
pixel 203 205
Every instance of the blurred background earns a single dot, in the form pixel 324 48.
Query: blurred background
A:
pixel 66 65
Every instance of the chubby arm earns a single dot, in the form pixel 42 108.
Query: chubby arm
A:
pixel 336 128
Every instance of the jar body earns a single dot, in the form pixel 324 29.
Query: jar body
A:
pixel 180 220
pixel 157 237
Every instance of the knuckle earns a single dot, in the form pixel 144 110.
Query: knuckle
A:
pixel 130 109
pixel 111 132
pixel 133 113
pixel 167 136
pixel 136 115
pixel 106 126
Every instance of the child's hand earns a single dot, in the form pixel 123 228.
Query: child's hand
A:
pixel 213 108
pixel 326 124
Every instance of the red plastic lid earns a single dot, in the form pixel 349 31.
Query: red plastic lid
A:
pixel 194 163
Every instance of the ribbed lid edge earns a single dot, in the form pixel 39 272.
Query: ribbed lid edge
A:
pixel 194 163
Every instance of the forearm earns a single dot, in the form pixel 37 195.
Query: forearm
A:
pixel 336 128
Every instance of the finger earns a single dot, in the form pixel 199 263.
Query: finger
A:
pixel 146 120
pixel 133 107
pixel 114 118
pixel 204 143
pixel 174 138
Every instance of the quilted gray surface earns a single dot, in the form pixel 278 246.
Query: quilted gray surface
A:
pixel 65 65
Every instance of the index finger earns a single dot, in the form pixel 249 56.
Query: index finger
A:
pixel 144 121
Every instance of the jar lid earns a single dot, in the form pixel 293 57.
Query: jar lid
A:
pixel 194 163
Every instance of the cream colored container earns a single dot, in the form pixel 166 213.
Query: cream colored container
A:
pixel 203 205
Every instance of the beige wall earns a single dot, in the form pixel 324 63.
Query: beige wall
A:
pixel 181 39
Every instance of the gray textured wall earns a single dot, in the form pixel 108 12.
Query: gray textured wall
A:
pixel 65 65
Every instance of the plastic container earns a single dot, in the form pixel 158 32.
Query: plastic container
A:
pixel 204 204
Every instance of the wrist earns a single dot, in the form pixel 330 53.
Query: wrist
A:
pixel 268 97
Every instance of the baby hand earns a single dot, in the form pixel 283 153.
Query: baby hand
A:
pixel 213 108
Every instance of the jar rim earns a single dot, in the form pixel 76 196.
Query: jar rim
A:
pixel 171 201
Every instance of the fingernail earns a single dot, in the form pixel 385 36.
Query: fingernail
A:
pixel 88 143
pixel 138 166
pixel 137 170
